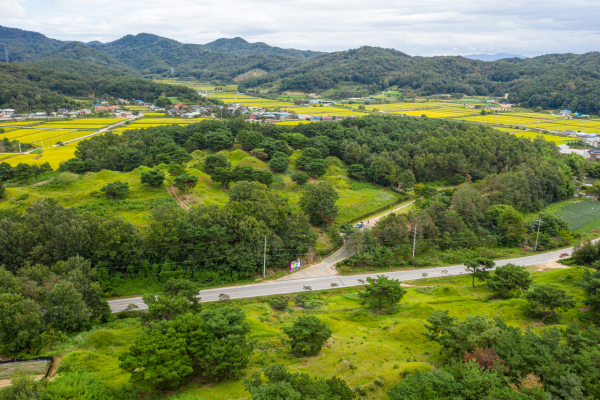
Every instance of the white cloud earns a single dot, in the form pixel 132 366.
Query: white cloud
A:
pixel 429 27
pixel 12 9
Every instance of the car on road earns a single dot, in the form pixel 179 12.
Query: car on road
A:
pixel 359 225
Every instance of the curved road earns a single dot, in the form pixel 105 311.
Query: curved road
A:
pixel 325 282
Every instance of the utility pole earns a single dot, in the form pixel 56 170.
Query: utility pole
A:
pixel 265 260
pixel 415 241
pixel 6 52
pixel 538 233
pixel 20 147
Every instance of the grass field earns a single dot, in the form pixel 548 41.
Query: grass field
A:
pixel 365 346
pixel 83 192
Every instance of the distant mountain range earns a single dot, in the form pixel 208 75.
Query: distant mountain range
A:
pixel 492 57
pixel 551 81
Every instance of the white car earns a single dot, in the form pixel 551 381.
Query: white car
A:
pixel 359 225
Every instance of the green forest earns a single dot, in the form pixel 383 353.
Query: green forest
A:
pixel 554 81
pixel 27 87
pixel 502 176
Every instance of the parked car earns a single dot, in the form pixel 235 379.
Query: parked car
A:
pixel 359 225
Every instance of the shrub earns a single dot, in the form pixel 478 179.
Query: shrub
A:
pixel 279 302
pixel 307 335
pixel 116 190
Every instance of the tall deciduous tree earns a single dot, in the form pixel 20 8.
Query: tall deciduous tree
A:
pixel 307 335
pixel 116 190
pixel 381 292
pixel 153 178
pixel 279 162
pixel 318 201
pixel 185 182
pixel 591 287
pixel 300 178
pixel 20 322
pixel 65 309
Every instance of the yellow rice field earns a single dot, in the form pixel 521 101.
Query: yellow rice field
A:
pixel 392 107
pixel 291 122
pixel 551 138
pixel 444 112
pixel 53 155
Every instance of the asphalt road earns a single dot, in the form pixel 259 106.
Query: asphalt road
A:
pixel 325 282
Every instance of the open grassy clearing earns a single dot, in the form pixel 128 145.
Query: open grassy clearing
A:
pixel 83 192
pixel 396 336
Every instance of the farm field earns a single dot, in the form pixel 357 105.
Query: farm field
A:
pixel 392 106
pixel 551 138
pixel 91 123
pixel 565 125
pixel 291 122
pixel 326 110
pixel 53 155
pixel 444 112
pixel 396 335
pixel 505 119
pixel 583 215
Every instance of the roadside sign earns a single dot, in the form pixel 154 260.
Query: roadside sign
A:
pixel 295 264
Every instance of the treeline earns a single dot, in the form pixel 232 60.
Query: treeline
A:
pixel 206 244
pixel 61 297
pixel 25 87
pixel 384 150
pixel 551 81
pixel 488 359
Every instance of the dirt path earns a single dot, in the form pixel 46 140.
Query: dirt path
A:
pixel 175 194
pixel 372 221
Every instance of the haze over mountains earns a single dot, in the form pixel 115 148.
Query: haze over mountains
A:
pixel 550 81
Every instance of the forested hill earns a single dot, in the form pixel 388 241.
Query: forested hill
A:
pixel 145 53
pixel 242 47
pixel 27 86
pixel 551 81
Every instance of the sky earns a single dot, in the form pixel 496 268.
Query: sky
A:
pixel 426 27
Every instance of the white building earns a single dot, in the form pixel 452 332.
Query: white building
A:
pixel 565 149
pixel 7 112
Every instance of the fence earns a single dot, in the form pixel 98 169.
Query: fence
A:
pixel 29 360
